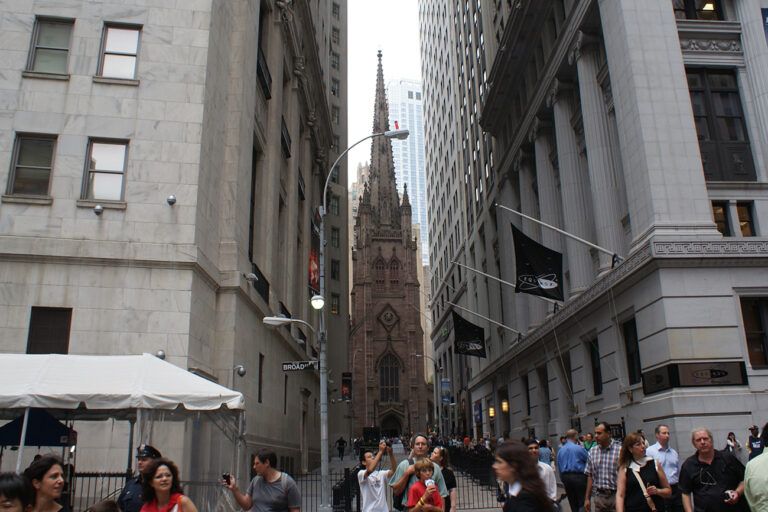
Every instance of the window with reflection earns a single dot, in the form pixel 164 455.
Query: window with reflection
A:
pixel 746 222
pixel 720 214
pixel 389 379
pixel 711 10
pixel 120 50
pixel 32 164
pixel 754 311
pixel 722 131
pixel 50 46
pixel 105 170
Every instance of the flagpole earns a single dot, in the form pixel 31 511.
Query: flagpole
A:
pixel 483 317
pixel 551 301
pixel 616 258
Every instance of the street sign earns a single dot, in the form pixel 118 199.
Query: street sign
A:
pixel 298 366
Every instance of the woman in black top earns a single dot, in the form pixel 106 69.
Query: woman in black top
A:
pixel 515 466
pixel 440 456
pixel 633 463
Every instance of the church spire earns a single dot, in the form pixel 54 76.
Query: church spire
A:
pixel 385 200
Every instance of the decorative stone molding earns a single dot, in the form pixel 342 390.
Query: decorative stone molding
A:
pixel 299 65
pixel 711 249
pixel 521 158
pixel 581 42
pixel 555 90
pixel 711 45
pixel 538 127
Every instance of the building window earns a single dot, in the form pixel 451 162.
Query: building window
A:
pixel 335 87
pixel 746 222
pixel 120 50
pixel 389 379
pixel 335 301
pixel 336 143
pixel 698 9
pixel 335 35
pixel 634 367
pixel 725 151
pixel 50 46
pixel 32 164
pixel 722 220
pixel 335 269
pixel 335 174
pixel 49 330
pixel 410 95
pixel 105 170
pixel 335 11
pixel 334 208
pixel 335 115
pixel 597 373
pixel 755 313
pixel 526 394
pixel 335 238
pixel 335 60
pixel 394 274
pixel 379 274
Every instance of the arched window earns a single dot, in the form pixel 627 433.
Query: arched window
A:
pixel 380 271
pixel 389 379
pixel 394 274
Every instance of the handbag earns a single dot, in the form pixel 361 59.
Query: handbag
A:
pixel 647 497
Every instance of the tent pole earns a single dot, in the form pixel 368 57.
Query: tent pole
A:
pixel 129 466
pixel 240 422
pixel 139 430
pixel 22 440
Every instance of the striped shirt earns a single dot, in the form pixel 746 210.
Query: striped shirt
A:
pixel 602 466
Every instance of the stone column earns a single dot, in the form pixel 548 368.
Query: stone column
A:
pixel 605 190
pixel 550 202
pixel 666 190
pixel 529 205
pixel 574 187
pixel 515 308
pixel 756 56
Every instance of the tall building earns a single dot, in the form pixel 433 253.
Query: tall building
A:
pixel 162 169
pixel 459 159
pixel 386 346
pixel 405 108
pixel 659 156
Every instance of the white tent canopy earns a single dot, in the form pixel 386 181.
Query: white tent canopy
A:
pixel 55 381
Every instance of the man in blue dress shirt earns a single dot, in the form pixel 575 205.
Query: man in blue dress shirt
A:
pixel 670 462
pixel 571 461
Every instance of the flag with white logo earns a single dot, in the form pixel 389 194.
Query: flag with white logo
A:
pixel 539 269
pixel 469 339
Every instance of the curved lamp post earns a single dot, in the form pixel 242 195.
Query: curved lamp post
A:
pixel 317 302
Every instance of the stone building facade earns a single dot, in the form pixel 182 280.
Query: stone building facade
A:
pixel 386 344
pixel 110 109
pixel 649 143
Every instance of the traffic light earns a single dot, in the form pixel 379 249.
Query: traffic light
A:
pixel 346 386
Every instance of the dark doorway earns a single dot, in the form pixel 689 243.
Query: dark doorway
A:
pixel 391 426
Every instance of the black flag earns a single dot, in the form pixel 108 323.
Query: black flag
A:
pixel 539 269
pixel 468 337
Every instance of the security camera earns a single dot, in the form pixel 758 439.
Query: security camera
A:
pixel 171 199
pixel 98 209
pixel 240 369
pixel 160 354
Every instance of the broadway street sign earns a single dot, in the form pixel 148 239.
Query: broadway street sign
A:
pixel 298 366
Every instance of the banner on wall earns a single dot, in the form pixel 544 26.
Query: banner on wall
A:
pixel 478 412
pixel 445 390
pixel 314 256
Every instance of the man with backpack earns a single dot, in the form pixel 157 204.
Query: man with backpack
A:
pixel 270 490
pixel 405 474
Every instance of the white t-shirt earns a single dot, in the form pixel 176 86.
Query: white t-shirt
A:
pixel 372 490
pixel 547 475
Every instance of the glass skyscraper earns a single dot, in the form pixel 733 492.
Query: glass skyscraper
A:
pixel 405 107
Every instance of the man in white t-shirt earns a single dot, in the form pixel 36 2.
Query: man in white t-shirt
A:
pixel 373 482
pixel 546 472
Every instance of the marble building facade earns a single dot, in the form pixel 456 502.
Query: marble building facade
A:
pixel 649 143
pixel 107 110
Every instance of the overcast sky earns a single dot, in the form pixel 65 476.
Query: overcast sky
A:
pixel 391 26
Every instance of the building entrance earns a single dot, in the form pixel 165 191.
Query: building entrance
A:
pixel 391 426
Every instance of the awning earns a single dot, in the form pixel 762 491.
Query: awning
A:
pixel 54 381
pixel 43 430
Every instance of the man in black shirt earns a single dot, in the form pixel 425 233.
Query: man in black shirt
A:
pixel 713 478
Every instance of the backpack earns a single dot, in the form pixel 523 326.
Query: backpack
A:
pixel 397 499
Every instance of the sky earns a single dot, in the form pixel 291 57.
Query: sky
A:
pixel 391 26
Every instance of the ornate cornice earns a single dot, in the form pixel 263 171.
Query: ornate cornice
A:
pixel 581 42
pixel 711 45
pixel 538 127
pixel 555 91
pixel 743 248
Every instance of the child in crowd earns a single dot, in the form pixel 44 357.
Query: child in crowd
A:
pixel 423 495
pixel 15 493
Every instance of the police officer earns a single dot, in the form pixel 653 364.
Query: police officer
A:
pixel 130 497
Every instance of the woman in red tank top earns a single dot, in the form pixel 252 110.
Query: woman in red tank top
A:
pixel 162 490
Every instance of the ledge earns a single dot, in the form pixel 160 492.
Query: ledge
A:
pixel 45 76
pixel 115 81
pixel 41 200
pixel 107 205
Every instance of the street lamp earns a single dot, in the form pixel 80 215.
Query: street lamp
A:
pixel 438 412
pixel 318 301
pixel 279 321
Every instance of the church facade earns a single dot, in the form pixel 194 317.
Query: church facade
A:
pixel 386 347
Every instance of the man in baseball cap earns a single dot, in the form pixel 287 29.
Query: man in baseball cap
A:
pixel 130 497
pixel 755 443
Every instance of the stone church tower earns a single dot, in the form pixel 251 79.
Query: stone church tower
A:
pixel 386 345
